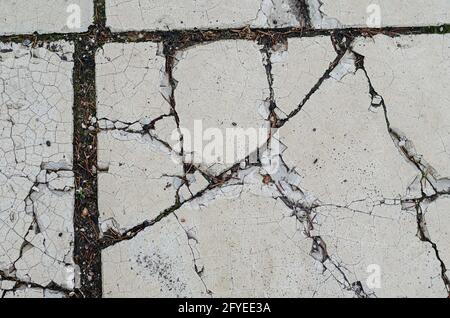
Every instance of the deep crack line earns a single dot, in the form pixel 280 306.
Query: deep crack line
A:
pixel 425 237
pixel 21 283
pixel 305 12
pixel 198 271
pixel 378 101
pixel 85 65
pixel 341 43
pixel 191 37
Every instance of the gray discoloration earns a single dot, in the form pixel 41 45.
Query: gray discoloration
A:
pixel 44 16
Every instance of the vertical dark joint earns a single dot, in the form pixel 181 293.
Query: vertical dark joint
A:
pixel 99 14
pixel 87 252
pixel 304 13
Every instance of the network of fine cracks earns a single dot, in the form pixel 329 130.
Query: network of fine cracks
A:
pixel 29 180
pixel 86 45
pixel 9 275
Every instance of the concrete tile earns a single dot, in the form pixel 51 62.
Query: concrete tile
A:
pixel 222 87
pixel 411 73
pixel 37 185
pixel 45 16
pixel 129 82
pixel 137 181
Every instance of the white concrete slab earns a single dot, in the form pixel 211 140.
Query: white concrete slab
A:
pixel 201 14
pixel 137 181
pixel 45 16
pixel 378 13
pixel 412 74
pixel 222 87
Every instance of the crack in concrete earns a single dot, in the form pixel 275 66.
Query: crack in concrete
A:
pixel 406 149
pixel 88 241
pixel 341 42
pixel 27 284
pixel 199 270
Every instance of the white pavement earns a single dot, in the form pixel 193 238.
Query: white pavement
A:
pixel 37 185
pixel 344 193
pixel 45 16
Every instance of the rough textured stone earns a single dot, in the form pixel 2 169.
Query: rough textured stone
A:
pixel 45 16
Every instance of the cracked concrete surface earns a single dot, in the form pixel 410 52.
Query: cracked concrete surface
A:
pixel 298 61
pixel 130 75
pixel 105 191
pixel 224 84
pixel 437 220
pixel 243 243
pixel 344 166
pixel 417 108
pixel 351 161
pixel 139 164
pixel 36 165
